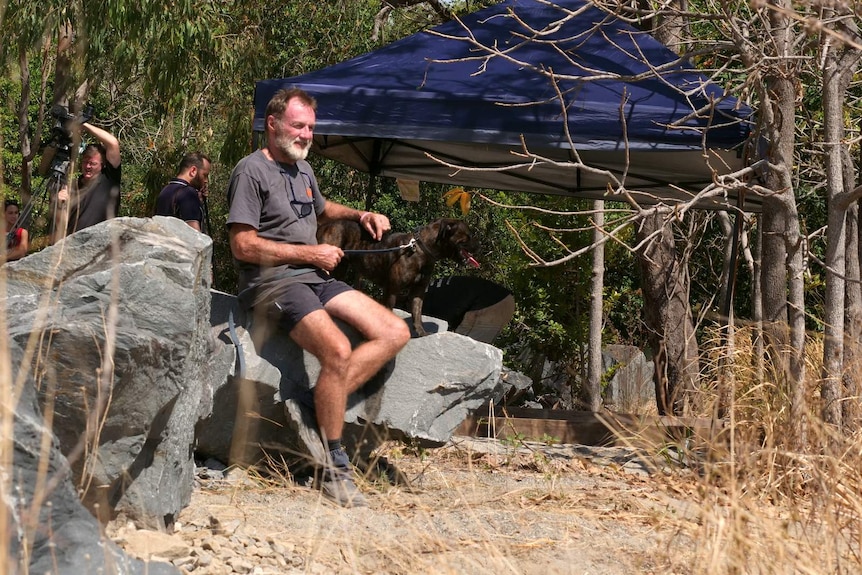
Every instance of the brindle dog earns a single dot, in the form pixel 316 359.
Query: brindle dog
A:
pixel 402 270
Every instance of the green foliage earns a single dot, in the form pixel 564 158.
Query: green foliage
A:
pixel 10 152
pixel 549 439
pixel 515 440
pixel 609 374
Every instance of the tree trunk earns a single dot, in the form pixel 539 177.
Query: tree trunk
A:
pixel 24 140
pixel 839 64
pixel 782 288
pixel 668 318
pixel 755 265
pixel 781 279
pixel 833 342
pixel 593 391
pixel 62 82
pixel 665 280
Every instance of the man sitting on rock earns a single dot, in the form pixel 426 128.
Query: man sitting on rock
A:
pixel 275 205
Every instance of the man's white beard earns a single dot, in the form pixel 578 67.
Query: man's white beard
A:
pixel 286 145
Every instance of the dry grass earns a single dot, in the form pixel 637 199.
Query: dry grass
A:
pixel 767 504
pixel 502 509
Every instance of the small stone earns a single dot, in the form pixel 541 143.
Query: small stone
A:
pixel 240 565
pixel 205 559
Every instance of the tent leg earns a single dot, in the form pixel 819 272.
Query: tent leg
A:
pixel 727 305
pixel 373 170
pixel 371 192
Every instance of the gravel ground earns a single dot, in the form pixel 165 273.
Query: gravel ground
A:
pixel 471 507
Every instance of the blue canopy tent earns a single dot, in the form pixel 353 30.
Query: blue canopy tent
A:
pixel 472 102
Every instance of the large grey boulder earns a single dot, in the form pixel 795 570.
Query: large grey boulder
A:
pixel 424 394
pixel 118 315
pixel 49 530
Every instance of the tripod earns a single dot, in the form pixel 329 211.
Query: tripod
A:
pixel 52 184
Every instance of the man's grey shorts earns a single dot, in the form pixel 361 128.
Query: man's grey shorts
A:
pixel 299 299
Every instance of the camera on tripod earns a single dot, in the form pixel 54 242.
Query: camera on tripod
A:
pixel 59 146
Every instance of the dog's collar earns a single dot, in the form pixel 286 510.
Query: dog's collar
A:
pixel 421 245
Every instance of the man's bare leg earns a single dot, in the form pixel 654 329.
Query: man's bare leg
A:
pixel 342 370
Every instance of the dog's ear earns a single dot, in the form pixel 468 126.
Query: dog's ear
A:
pixel 445 231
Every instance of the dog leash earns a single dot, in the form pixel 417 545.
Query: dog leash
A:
pixel 240 353
pixel 411 245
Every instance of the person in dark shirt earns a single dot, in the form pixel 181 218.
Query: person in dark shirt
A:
pixel 183 196
pixel 472 306
pixel 96 197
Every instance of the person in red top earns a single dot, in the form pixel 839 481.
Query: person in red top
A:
pixel 17 238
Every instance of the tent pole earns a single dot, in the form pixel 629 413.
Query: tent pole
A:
pixel 371 191
pixel 731 274
pixel 373 171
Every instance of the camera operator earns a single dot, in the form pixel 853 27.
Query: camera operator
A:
pixel 96 195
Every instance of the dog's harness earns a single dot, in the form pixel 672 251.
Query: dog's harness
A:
pixel 411 245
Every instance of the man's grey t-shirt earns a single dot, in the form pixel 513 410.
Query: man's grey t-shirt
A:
pixel 282 202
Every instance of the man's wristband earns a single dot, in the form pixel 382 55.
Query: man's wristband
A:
pixel 363 216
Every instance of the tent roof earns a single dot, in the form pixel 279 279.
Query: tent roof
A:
pixel 462 102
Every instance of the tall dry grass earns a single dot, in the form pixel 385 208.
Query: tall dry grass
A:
pixel 767 502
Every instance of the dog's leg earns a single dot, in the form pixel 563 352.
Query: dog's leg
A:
pixel 416 313
pixel 389 299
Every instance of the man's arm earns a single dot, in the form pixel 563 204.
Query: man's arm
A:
pixel 60 211
pixel 108 141
pixel 247 246
pixel 376 224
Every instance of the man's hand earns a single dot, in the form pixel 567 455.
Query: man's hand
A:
pixel 375 224
pixel 326 256
pixel 247 246
pixel 63 196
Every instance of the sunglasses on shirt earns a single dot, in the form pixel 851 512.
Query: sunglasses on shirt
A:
pixel 301 209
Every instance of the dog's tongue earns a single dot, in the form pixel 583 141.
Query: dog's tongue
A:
pixel 468 257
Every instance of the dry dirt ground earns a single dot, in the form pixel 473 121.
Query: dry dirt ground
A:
pixel 472 507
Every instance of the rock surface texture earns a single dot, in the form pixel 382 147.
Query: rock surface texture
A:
pixel 49 530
